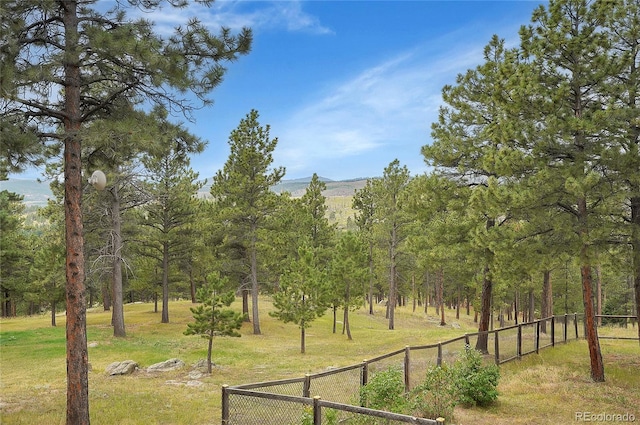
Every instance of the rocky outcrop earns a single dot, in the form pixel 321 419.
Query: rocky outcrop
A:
pixel 126 367
pixel 166 366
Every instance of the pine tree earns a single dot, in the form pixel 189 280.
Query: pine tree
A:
pixel 172 188
pixel 391 218
pixel 475 146
pixel 242 192
pixel 348 270
pixel 363 203
pixel 12 244
pixel 212 319
pixel 567 51
pixel 623 88
pixel 90 60
pixel 303 293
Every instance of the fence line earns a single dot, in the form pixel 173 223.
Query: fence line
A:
pixel 254 403
pixel 622 322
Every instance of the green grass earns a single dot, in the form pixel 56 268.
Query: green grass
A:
pixel 542 389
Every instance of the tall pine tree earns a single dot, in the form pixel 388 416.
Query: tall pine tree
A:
pixel 70 49
pixel 242 192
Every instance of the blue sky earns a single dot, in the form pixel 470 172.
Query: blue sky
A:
pixel 346 86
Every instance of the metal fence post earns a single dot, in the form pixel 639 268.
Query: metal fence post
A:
pixel 537 336
pixel 564 328
pixel 225 405
pixel 407 368
pixel 575 323
pixel 439 360
pixel 497 346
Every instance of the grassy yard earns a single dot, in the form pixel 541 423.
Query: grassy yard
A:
pixel 540 389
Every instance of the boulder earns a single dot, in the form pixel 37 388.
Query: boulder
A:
pixel 126 367
pixel 166 366
pixel 201 366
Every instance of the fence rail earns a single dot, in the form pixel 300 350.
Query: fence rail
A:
pixel 288 401
pixel 622 329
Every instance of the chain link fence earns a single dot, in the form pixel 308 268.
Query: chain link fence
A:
pixel 336 392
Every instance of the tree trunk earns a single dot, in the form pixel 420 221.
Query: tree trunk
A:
pixel 598 295
pixel 532 306
pixel 192 286
pixel 414 293
pixel 370 277
pixel 335 318
pixel 441 296
pixel 635 243
pixel 458 304
pixel 485 310
pixel 53 314
pixel 76 329
pixel 253 259
pixel 105 288
pixel 546 298
pixel 117 315
pixel 165 282
pixel 595 355
pixel 6 302
pixel 391 305
pixel 302 338
pixel 346 323
pixel 209 350
pixel 245 305
pixel 516 303
pixel 426 293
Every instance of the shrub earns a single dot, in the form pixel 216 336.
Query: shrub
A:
pixel 385 391
pixel 476 383
pixel 330 416
pixel 437 395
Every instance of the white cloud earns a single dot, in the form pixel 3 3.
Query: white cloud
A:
pixel 384 111
pixel 237 14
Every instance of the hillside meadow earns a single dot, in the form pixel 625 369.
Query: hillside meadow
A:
pixel 539 389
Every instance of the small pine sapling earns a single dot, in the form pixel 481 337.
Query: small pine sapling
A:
pixel 211 317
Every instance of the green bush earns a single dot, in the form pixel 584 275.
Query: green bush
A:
pixel 385 391
pixel 330 416
pixel 437 395
pixel 476 383
pixel 467 381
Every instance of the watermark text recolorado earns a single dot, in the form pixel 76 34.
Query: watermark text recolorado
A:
pixel 604 417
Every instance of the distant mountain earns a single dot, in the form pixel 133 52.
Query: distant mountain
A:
pixel 297 187
pixel 37 194
pixel 308 179
pixel 34 192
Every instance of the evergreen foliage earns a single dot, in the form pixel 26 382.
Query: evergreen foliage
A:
pixel 241 192
pixel 385 391
pixel 303 293
pixel 211 317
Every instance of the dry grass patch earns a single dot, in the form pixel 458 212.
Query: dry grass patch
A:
pixel 545 389
pixel 552 387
